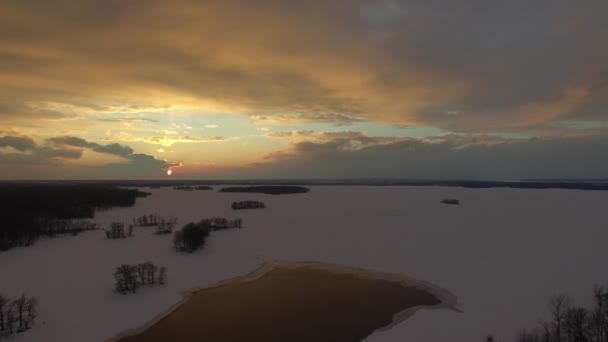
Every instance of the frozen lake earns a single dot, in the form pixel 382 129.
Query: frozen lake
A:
pixel 502 253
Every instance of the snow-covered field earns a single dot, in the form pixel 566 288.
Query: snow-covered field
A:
pixel 502 252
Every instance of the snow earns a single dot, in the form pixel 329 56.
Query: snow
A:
pixel 502 253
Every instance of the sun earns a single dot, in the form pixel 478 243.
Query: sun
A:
pixel 169 172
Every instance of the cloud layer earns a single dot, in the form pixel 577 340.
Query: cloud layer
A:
pixel 461 65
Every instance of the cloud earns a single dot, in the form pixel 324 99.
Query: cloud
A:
pixel 19 143
pixel 454 157
pixel 170 140
pixel 396 62
pixel 56 152
pixel 299 118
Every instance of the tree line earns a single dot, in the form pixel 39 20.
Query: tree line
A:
pixel 572 323
pixel 248 205
pixel 31 211
pixel 193 235
pixel 128 278
pixel 17 315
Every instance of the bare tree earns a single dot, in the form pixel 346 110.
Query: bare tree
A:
pixel 151 271
pixel 598 316
pixel 10 317
pixel 558 305
pixel 141 270
pixel 30 308
pixel 3 304
pixel 20 304
pixel 575 324
pixel 162 275
pixel 133 278
pixel 123 276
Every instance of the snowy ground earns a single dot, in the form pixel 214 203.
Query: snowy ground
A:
pixel 502 252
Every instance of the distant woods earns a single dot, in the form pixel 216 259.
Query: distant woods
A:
pixel 450 201
pixel 192 188
pixel 128 278
pixel 31 211
pixel 268 189
pixel 571 323
pixel 248 205
pixel 16 315
pixel 194 234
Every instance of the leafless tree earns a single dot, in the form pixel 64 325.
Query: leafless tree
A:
pixel 10 317
pixel 20 307
pixel 575 324
pixel 151 270
pixel 141 271
pixel 3 305
pixel 558 304
pixel 124 278
pixel 30 307
pixel 162 275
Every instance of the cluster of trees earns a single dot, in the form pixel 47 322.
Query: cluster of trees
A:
pixel 450 201
pixel 267 189
pixel 572 323
pixel 191 188
pixel 194 234
pixel 147 220
pixel 131 277
pixel 117 231
pixel 248 205
pixel 166 226
pixel 163 226
pixel 220 223
pixel 34 210
pixel 16 315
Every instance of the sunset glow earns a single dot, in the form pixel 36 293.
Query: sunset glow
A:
pixel 381 89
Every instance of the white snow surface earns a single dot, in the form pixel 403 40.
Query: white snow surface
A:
pixel 502 253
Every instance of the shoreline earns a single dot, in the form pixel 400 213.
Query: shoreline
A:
pixel 446 299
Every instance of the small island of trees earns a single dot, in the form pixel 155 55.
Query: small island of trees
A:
pixel 194 234
pixel 267 189
pixel 131 277
pixel 163 226
pixel 452 201
pixel 17 315
pixel 192 188
pixel 248 205
pixel 117 231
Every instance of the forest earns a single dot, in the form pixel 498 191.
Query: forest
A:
pixel 34 210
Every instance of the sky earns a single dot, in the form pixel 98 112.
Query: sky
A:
pixel 453 89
